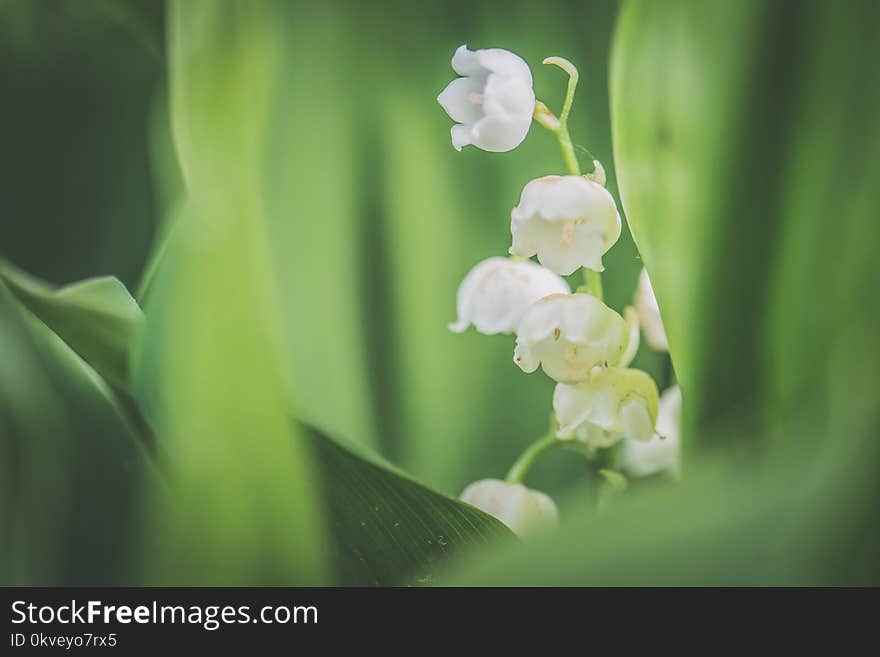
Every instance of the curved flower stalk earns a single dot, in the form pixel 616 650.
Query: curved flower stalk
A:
pixel 492 103
pixel 496 293
pixel 524 510
pixel 615 403
pixel 569 335
pixel 662 453
pixel 569 222
pixel 649 313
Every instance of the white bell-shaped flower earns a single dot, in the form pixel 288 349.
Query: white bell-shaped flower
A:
pixel 492 103
pixel 568 221
pixel 614 403
pixel 649 313
pixel 569 335
pixel 524 510
pixel 497 292
pixel 662 453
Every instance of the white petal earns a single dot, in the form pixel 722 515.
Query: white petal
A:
pixel 669 415
pixel 612 404
pixel 497 292
pixel 568 221
pixel 640 458
pixel 524 510
pixel 635 419
pixel 570 334
pixel 572 406
pixel 500 134
pixel 510 98
pixel 525 359
pixel 459 100
pixel 631 317
pixel 461 136
pixel 505 63
pixel 649 313
pixel 528 235
pixel 465 62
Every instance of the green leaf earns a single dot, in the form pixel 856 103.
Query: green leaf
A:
pixel 96 317
pixel 72 469
pixel 388 529
pixel 747 178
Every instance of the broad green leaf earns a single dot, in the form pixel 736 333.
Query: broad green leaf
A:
pixel 388 529
pixel 96 317
pixel 676 118
pixel 741 135
pixel 72 469
pixel 272 118
pixel 242 492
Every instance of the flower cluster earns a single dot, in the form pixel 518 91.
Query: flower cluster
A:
pixel 569 222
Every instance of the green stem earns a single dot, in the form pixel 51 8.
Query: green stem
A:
pixel 559 127
pixel 568 154
pixel 593 281
pixel 523 464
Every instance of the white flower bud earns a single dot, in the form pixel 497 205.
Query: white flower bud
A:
pixel 568 221
pixel 492 103
pixel 614 403
pixel 569 335
pixel 649 313
pixel 659 454
pixel 524 510
pixel 497 292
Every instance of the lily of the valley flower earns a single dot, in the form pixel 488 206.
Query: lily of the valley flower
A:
pixel 569 335
pixel 524 510
pixel 492 103
pixel 614 403
pixel 662 453
pixel 568 221
pixel 497 292
pixel 649 313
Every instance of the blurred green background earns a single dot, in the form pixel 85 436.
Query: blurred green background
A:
pixel 274 183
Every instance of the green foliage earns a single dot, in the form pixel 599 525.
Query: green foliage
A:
pixel 96 317
pixel 388 529
pixel 746 173
pixel 76 475
pixel 78 198
pixel 72 466
pixel 312 225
